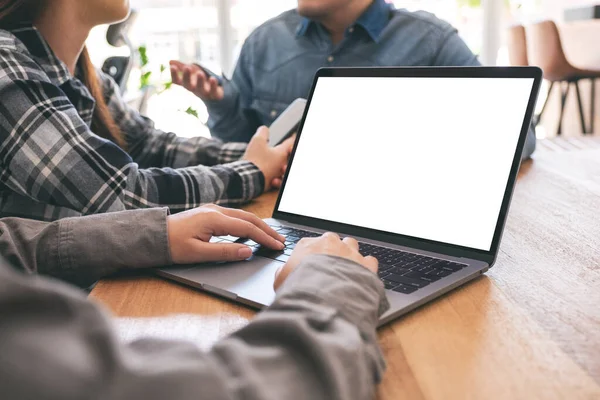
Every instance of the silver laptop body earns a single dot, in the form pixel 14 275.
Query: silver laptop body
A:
pixel 510 92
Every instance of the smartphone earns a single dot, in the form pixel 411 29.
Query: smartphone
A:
pixel 287 123
pixel 211 74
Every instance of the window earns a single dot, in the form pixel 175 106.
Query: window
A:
pixel 464 15
pixel 213 31
pixel 207 31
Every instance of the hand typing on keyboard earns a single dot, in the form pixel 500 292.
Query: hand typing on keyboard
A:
pixel 329 244
pixel 191 234
pixel 401 271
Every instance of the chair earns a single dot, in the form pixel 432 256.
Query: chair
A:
pixel 546 51
pixel 120 67
pixel 517 56
pixel 517 46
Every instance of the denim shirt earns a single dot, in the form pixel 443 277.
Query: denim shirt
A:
pixel 279 59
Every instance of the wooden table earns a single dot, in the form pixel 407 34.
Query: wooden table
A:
pixel 528 329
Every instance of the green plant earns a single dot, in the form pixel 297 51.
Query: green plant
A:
pixel 469 3
pixel 477 3
pixel 146 74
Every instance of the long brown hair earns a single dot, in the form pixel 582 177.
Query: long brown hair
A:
pixel 15 12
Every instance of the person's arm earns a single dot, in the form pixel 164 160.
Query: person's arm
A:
pixel 317 341
pixel 150 147
pixel 52 156
pixel 82 250
pixel 230 116
pixel 453 51
pixel 231 119
pixel 450 50
pixel 530 143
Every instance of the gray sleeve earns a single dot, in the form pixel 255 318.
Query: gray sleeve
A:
pixel 317 341
pixel 82 250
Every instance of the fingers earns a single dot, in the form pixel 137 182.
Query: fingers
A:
pixel 278 271
pixel 276 183
pixel 351 242
pixel 288 144
pixel 187 79
pixel 331 236
pixel 371 263
pixel 226 225
pixel 195 80
pixel 262 134
pixel 213 87
pixel 223 252
pixel 176 72
pixel 253 219
pixel 176 64
pixel 279 277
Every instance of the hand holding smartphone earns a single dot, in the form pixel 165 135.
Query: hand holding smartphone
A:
pixel 210 74
pixel 287 123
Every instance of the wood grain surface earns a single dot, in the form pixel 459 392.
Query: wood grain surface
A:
pixel 528 329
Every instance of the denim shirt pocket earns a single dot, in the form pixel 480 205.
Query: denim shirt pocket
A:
pixel 267 110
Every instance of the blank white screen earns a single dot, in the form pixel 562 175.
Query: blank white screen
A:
pixel 423 157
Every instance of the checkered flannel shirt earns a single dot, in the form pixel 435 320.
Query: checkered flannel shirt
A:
pixel 53 166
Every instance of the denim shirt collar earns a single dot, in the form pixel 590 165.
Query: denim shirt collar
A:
pixel 373 20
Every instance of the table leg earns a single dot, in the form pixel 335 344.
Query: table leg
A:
pixel 580 106
pixel 593 106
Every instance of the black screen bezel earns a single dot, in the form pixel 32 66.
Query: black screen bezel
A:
pixel 424 72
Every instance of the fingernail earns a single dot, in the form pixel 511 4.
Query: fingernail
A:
pixel 245 252
pixel 281 238
pixel 280 245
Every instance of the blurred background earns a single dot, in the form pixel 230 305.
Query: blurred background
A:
pixel 213 31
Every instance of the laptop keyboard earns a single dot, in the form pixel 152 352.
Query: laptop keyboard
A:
pixel 400 271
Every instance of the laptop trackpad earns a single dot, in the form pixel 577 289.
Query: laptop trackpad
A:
pixel 250 280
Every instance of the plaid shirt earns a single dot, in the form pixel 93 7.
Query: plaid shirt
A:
pixel 53 166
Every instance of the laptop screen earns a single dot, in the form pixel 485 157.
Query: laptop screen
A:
pixel 423 157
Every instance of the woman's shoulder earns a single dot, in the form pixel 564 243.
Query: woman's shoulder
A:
pixel 18 61
pixel 9 42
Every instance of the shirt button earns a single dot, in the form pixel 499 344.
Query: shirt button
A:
pixel 351 30
pixel 273 113
pixel 330 59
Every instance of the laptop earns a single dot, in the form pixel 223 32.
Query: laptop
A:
pixel 417 164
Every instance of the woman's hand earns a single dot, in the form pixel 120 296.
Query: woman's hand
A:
pixel 190 231
pixel 328 244
pixel 272 161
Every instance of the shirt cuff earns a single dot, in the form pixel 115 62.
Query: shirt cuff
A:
pixel 354 291
pixel 231 152
pixel 252 179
